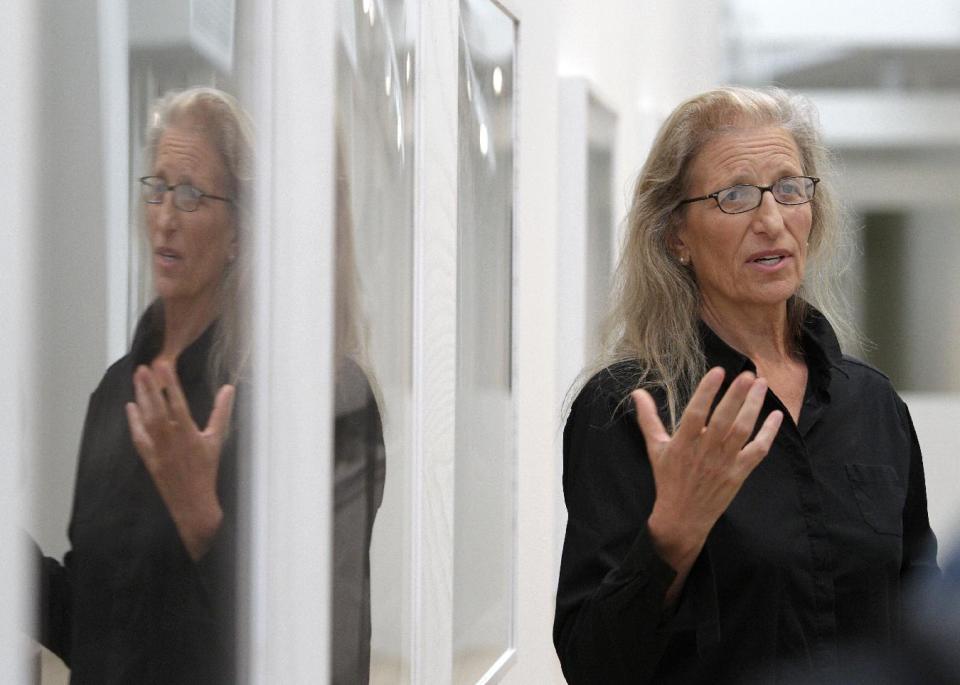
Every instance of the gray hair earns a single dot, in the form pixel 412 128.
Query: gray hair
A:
pixel 656 304
pixel 222 121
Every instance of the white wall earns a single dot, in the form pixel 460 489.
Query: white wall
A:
pixel 18 36
pixel 644 58
pixel 850 22
pixel 70 306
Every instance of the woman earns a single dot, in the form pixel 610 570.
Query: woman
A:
pixel 743 498
pixel 146 593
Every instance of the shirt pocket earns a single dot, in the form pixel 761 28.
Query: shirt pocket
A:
pixel 880 495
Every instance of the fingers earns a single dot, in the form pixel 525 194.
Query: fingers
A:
pixel 729 407
pixel 179 410
pixel 698 409
pixel 754 452
pixel 746 418
pixel 150 400
pixel 649 419
pixel 160 399
pixel 138 432
pixel 219 422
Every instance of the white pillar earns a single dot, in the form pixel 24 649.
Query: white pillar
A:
pixel 18 152
pixel 291 452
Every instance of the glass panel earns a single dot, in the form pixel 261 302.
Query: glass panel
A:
pixel 485 462
pixel 141 587
pixel 375 106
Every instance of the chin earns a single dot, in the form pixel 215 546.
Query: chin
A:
pixel 172 292
pixel 164 289
pixel 773 298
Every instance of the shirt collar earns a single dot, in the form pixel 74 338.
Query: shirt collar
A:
pixel 148 341
pixel 818 339
pixel 818 344
pixel 719 353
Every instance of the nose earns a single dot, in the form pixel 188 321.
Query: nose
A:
pixel 767 218
pixel 165 214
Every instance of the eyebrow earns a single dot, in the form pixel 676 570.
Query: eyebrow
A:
pixel 743 179
pixel 183 179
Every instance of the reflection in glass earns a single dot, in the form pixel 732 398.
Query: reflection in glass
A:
pixel 146 592
pixel 484 502
pixel 374 109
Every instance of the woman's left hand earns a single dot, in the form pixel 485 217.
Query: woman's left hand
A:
pixel 182 459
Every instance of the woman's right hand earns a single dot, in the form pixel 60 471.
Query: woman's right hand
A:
pixel 700 468
pixel 182 458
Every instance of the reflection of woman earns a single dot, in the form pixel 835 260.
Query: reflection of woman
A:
pixel 359 459
pixel 779 518
pixel 145 594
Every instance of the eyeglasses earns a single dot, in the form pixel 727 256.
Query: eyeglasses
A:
pixel 186 197
pixel 789 190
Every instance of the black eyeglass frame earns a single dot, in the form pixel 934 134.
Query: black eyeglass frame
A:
pixel 716 195
pixel 147 182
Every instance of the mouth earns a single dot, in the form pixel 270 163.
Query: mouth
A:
pixel 769 261
pixel 768 258
pixel 167 255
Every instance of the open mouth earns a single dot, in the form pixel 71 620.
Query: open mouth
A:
pixel 167 255
pixel 770 261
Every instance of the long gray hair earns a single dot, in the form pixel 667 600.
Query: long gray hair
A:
pixel 222 121
pixel 656 305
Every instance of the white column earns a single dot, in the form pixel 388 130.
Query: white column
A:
pixel 535 316
pixel 435 337
pixel 18 82
pixel 291 481
pixel 114 108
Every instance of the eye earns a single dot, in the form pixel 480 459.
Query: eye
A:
pixel 188 192
pixel 737 198
pixel 789 186
pixel 734 194
pixel 153 188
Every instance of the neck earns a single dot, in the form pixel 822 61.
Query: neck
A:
pixel 761 334
pixel 184 322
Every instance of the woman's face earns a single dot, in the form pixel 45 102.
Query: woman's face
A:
pixel 191 250
pixel 723 249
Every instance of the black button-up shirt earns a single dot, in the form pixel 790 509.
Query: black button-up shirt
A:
pixel 128 604
pixel 811 554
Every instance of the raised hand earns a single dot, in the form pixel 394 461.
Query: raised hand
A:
pixel 701 467
pixel 182 460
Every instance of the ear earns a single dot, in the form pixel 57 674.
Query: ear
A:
pixel 676 245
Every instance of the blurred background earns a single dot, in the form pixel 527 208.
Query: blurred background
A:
pixel 485 153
